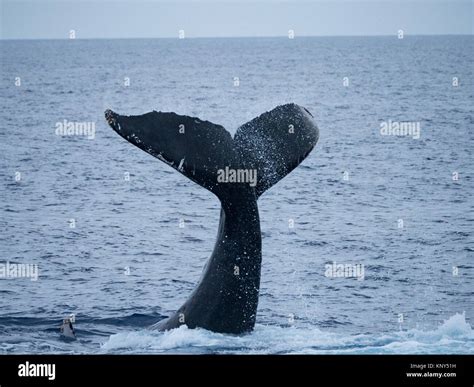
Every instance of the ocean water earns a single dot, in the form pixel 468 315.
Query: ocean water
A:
pixel 345 200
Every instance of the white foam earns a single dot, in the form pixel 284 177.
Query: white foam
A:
pixel 454 336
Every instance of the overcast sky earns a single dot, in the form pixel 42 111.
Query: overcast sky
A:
pixel 36 19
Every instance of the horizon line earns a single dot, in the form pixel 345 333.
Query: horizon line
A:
pixel 242 37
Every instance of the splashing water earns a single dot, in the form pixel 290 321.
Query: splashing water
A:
pixel 454 336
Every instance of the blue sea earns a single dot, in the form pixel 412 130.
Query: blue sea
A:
pixel 402 207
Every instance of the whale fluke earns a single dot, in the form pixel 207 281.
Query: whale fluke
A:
pixel 193 147
pixel 271 146
pixel 276 142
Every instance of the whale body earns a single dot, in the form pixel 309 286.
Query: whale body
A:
pixel 266 148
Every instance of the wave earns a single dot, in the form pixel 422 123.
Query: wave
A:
pixel 454 336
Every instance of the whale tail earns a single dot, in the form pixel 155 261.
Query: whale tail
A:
pixel 272 144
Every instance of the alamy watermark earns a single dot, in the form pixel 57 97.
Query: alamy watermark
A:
pixel 70 128
pixel 399 128
pixel 19 270
pixel 347 270
pixel 229 175
pixel 46 370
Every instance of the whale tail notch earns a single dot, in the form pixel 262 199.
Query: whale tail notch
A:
pixel 272 144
